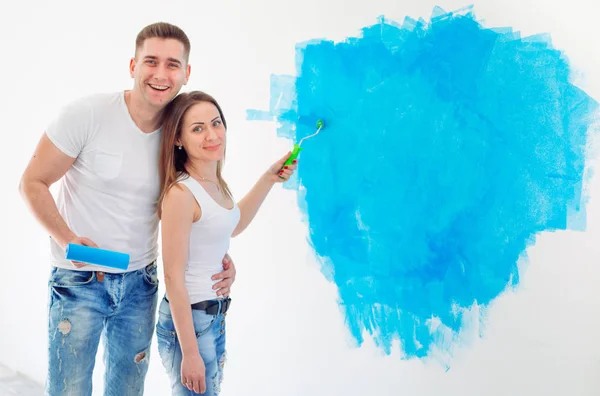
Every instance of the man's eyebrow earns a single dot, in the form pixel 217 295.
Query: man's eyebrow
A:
pixel 169 59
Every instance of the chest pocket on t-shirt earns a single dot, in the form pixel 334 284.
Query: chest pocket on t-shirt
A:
pixel 107 165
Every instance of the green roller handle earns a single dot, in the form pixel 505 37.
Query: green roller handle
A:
pixel 292 157
pixel 297 148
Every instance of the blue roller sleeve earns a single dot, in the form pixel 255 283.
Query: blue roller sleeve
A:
pixel 92 255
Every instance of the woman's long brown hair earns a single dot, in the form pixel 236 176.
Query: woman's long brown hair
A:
pixel 171 165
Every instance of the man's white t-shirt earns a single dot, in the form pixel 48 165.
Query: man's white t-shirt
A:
pixel 110 193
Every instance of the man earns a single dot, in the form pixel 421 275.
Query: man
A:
pixel 106 147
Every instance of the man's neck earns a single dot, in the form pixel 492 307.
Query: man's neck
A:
pixel 145 118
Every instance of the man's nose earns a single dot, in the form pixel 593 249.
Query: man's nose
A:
pixel 160 73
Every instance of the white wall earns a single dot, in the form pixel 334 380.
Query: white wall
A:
pixel 539 340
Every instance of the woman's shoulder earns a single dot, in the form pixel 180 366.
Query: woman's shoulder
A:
pixel 178 192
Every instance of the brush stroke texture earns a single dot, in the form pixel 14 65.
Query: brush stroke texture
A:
pixel 447 148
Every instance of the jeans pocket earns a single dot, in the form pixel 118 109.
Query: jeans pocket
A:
pixel 151 274
pixel 167 342
pixel 70 278
pixel 150 279
pixel 202 322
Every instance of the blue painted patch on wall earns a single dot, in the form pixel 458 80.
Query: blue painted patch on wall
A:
pixel 448 147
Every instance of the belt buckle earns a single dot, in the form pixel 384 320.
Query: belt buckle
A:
pixel 226 304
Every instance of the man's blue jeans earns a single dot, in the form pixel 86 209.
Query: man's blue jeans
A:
pixel 83 305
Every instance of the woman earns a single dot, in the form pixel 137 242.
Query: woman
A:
pixel 199 216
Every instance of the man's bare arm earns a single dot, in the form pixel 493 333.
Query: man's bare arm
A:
pixel 47 166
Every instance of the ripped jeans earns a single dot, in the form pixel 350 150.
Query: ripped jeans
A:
pixel 85 305
pixel 210 334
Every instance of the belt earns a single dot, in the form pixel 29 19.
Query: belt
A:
pixel 100 274
pixel 211 306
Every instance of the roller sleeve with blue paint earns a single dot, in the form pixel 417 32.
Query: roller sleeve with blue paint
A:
pixel 92 255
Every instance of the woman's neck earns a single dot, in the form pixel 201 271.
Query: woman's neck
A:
pixel 202 170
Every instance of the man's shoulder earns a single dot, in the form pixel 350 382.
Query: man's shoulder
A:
pixel 94 100
pixel 89 107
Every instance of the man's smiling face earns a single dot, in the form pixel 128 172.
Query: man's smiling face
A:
pixel 159 70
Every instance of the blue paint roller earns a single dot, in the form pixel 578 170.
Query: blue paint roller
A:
pixel 92 255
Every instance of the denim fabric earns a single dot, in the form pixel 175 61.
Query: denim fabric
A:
pixel 210 334
pixel 83 305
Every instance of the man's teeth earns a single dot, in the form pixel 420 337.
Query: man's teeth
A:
pixel 159 87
